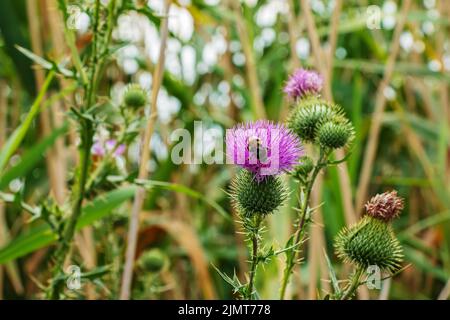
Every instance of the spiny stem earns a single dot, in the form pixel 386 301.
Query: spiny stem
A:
pixel 354 284
pixel 254 258
pixel 87 133
pixel 69 230
pixel 301 226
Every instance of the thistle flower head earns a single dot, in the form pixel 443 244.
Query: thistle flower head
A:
pixel 251 197
pixel 385 206
pixel 263 147
pixel 309 115
pixel 370 242
pixel 303 82
pixel 134 96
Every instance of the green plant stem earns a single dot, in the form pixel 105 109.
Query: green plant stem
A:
pixel 254 259
pixel 69 229
pixel 94 57
pixel 302 223
pixel 354 284
pixel 70 39
pixel 105 49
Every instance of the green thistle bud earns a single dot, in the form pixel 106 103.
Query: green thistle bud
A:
pixel 251 196
pixel 153 261
pixel 309 114
pixel 335 134
pixel 370 242
pixel 302 170
pixel 135 96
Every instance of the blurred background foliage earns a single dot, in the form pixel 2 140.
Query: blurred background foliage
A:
pixel 226 62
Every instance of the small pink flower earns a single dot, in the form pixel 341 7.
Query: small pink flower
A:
pixel 120 150
pixel 100 148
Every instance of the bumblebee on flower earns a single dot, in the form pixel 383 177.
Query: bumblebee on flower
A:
pixel 263 148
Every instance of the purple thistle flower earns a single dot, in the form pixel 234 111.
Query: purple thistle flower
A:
pixel 303 82
pixel 263 147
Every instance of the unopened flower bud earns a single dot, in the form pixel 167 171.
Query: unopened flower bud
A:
pixel 335 134
pixel 153 261
pixel 135 97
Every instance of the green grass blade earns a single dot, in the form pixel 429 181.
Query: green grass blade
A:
pixel 423 263
pixel 31 157
pixel 16 138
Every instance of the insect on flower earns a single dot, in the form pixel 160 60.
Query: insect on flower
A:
pixel 263 147
pixel 256 148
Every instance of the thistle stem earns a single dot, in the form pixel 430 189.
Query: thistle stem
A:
pixel 87 134
pixel 354 284
pixel 69 229
pixel 302 223
pixel 254 258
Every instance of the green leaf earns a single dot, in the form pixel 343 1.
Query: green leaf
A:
pixel 31 157
pixel 333 278
pixel 49 65
pixel 103 205
pixel 42 236
pixel 234 282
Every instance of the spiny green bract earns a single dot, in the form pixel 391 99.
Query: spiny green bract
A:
pixel 135 96
pixel 370 242
pixel 309 114
pixel 252 197
pixel 336 133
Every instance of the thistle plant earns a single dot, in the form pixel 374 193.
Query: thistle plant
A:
pixel 371 241
pixel 85 117
pixel 264 150
pixel 96 155
pixel 323 125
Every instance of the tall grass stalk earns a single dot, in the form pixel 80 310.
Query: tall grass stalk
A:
pixel 380 104
pixel 144 158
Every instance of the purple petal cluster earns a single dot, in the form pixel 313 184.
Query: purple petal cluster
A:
pixel 100 148
pixel 263 147
pixel 303 82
